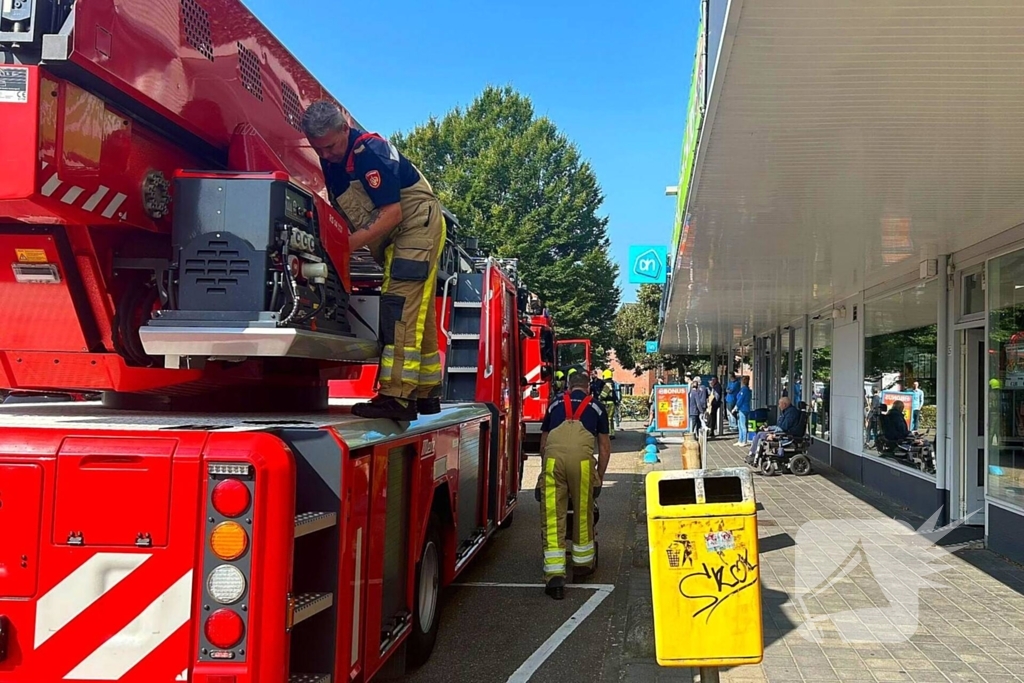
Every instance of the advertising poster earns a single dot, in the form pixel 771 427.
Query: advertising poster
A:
pixel 890 397
pixel 1014 365
pixel 672 414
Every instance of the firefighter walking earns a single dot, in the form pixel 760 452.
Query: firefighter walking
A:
pixel 606 390
pixel 392 210
pixel 571 429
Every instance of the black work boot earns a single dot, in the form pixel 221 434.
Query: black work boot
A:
pixel 429 406
pixel 387 407
pixel 556 587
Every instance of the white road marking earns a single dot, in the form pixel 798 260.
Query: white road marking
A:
pixel 528 668
pixel 155 624
pixel 606 587
pixel 80 589
pixel 525 672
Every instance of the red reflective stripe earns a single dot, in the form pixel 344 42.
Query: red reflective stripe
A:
pixel 350 163
pixel 574 416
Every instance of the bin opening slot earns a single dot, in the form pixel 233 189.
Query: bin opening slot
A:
pixel 677 492
pixel 723 490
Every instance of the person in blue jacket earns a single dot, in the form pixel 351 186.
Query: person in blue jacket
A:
pixel 742 407
pixel 731 390
pixel 698 405
pixel 789 421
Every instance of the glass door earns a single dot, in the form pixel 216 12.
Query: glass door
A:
pixel 971 465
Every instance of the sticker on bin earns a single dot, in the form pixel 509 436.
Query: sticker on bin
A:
pixel 680 552
pixel 718 541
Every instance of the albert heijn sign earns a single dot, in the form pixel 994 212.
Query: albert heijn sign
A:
pixel 648 265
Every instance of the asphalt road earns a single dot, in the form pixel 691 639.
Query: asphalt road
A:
pixel 514 632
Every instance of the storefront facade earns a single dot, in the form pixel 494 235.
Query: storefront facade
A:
pixel 850 212
pixel 943 348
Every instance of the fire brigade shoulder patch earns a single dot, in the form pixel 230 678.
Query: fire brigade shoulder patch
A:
pixel 373 178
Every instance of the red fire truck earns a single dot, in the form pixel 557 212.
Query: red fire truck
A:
pixel 543 357
pixel 165 241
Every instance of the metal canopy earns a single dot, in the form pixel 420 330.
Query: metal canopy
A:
pixel 844 141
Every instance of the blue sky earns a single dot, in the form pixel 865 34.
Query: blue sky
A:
pixel 613 76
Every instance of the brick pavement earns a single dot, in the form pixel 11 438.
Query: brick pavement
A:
pixel 969 626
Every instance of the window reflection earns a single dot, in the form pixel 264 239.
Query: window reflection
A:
pixel 900 336
pixel 784 364
pixel 821 370
pixel 798 368
pixel 973 295
pixel 1006 378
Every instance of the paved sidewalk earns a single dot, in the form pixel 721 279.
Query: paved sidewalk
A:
pixel 966 623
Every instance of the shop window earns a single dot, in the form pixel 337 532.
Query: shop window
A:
pixel 1006 379
pixel 821 370
pixel 797 394
pixel 973 296
pixel 900 337
pixel 784 360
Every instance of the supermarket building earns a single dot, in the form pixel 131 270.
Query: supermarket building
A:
pixel 851 221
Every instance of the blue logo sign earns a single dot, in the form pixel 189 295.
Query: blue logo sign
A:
pixel 647 265
pixel 652 347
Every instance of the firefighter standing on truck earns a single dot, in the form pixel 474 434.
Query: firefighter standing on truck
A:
pixel 571 427
pixel 393 210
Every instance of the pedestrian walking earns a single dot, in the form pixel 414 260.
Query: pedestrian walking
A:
pixel 742 409
pixel 715 396
pixel 698 406
pixel 731 391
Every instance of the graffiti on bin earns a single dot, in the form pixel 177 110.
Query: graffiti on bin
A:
pixel 713 585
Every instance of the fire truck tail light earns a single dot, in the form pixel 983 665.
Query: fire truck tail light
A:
pixel 228 540
pixel 224 629
pixel 231 498
pixel 229 469
pixel 226 584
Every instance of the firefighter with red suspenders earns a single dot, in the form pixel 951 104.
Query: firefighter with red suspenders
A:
pixel 393 211
pixel 573 426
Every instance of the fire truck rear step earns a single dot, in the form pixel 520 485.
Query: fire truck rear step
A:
pixel 310 522
pixel 309 678
pixel 310 604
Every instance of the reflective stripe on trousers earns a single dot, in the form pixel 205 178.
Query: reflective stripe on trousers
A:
pixel 410 367
pixel 553 515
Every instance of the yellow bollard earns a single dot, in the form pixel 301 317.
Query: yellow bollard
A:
pixel 691 454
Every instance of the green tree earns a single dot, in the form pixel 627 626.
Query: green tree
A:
pixel 635 325
pixel 520 186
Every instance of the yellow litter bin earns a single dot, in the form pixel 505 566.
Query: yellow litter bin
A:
pixel 702 527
